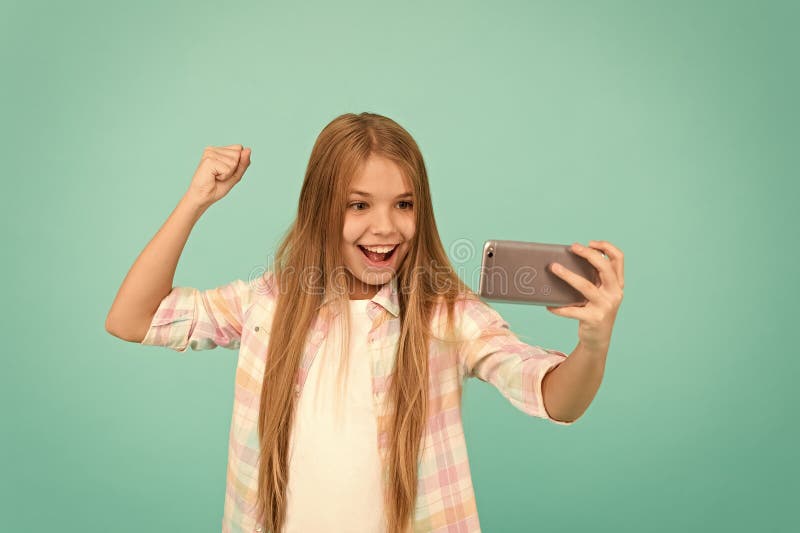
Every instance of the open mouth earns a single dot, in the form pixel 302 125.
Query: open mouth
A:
pixel 376 257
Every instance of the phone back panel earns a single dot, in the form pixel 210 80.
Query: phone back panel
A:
pixel 518 271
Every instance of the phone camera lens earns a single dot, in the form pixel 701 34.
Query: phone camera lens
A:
pixel 491 253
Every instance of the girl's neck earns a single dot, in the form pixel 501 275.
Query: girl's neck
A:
pixel 363 292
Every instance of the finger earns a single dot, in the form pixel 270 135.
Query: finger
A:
pixel 230 160
pixel 236 154
pixel 233 151
pixel 222 167
pixel 234 147
pixel 578 313
pixel 607 275
pixel 616 256
pixel 219 154
pixel 586 287
pixel 243 163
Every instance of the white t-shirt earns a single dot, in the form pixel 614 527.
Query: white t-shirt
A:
pixel 334 468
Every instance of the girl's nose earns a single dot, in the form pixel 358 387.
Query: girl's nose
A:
pixel 381 223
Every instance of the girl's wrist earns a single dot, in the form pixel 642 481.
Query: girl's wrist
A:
pixel 192 207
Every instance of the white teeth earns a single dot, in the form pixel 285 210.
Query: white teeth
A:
pixel 379 249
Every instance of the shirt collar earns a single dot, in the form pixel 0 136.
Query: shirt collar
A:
pixel 387 297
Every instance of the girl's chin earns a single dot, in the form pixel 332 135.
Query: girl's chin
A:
pixel 375 278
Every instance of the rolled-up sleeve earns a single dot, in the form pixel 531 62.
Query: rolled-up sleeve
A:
pixel 200 320
pixel 491 352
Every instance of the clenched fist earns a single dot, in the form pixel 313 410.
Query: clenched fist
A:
pixel 220 168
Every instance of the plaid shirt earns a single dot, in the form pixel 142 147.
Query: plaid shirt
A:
pixel 239 315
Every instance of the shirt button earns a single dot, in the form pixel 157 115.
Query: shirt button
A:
pixel 257 328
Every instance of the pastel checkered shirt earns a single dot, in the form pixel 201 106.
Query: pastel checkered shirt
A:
pixel 239 315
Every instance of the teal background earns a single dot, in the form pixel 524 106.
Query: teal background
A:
pixel 667 128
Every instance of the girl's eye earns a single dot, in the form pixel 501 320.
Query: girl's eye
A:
pixel 410 204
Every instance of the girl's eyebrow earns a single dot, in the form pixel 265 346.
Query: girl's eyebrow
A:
pixel 368 195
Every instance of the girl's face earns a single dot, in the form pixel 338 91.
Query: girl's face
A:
pixel 379 215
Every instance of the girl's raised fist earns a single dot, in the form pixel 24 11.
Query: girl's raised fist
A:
pixel 220 168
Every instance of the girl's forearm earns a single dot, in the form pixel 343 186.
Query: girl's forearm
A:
pixel 150 278
pixel 570 387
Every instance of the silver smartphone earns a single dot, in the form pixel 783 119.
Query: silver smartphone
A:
pixel 519 272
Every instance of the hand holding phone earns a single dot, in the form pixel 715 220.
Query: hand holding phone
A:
pixel 519 272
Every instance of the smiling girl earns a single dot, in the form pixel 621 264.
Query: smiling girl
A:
pixel 360 284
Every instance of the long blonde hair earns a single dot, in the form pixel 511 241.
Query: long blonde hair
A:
pixel 308 269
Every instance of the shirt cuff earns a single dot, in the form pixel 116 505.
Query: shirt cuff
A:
pixel 172 322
